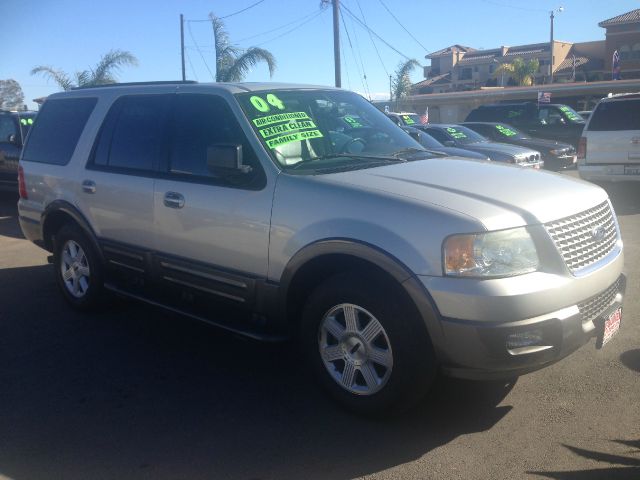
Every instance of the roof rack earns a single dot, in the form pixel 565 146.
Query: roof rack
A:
pixel 129 84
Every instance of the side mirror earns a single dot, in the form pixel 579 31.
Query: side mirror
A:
pixel 449 143
pixel 415 135
pixel 226 160
pixel 13 140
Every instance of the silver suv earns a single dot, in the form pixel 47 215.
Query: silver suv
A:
pixel 282 211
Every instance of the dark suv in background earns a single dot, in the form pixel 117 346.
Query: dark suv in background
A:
pixel 556 155
pixel 14 127
pixel 553 121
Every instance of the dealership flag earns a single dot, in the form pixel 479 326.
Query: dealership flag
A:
pixel 615 72
pixel 425 118
pixel 544 97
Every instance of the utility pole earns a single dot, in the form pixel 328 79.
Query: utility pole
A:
pixel 336 41
pixel 182 45
pixel 390 95
pixel 552 16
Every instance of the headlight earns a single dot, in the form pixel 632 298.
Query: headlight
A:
pixel 491 254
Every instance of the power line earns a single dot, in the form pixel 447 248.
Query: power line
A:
pixel 277 28
pixel 362 78
pixel 364 73
pixel 526 9
pixel 403 27
pixel 374 33
pixel 320 12
pixel 231 14
pixel 371 38
pixel 193 70
pixel 200 52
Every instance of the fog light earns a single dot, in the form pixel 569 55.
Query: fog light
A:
pixel 524 339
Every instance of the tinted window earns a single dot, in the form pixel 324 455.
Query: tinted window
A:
pixel 7 128
pixel 199 123
pixel 438 135
pixel 54 136
pixel 139 133
pixel 616 115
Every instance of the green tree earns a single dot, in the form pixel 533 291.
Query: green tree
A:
pixel 232 62
pixel 401 84
pixel 522 72
pixel 103 73
pixel 11 96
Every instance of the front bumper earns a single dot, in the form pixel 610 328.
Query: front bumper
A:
pixel 478 349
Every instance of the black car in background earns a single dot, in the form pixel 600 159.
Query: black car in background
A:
pixel 14 127
pixel 430 143
pixel 463 137
pixel 556 155
pixel 551 121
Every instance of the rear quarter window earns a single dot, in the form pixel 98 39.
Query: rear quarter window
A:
pixel 616 115
pixel 53 138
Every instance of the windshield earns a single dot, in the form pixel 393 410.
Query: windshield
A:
pixel 410 119
pixel 315 130
pixel 571 115
pixel 463 135
pixel 507 131
pixel 25 122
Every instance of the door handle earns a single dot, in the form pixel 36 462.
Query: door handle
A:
pixel 89 186
pixel 173 200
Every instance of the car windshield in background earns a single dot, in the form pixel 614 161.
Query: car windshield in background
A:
pixel 411 119
pixel 571 115
pixel 317 130
pixel 463 135
pixel 508 131
pixel 25 123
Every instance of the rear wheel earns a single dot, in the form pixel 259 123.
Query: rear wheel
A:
pixel 367 345
pixel 77 268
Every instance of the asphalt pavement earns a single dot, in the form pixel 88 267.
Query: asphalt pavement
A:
pixel 134 392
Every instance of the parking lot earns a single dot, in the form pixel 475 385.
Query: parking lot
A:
pixel 134 392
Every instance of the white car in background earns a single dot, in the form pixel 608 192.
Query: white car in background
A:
pixel 609 149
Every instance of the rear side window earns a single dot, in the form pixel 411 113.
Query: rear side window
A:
pixel 133 136
pixel 616 115
pixel 54 136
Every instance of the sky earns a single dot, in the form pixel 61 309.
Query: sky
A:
pixel 72 35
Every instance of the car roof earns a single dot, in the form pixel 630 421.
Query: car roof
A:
pixel 232 87
pixel 622 96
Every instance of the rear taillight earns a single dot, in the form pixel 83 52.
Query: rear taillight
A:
pixel 582 148
pixel 22 187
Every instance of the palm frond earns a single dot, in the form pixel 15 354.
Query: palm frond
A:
pixel 250 58
pixel 109 63
pixel 57 76
pixel 402 83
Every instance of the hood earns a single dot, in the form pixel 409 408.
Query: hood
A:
pixel 498 149
pixel 541 144
pixel 500 196
pixel 461 152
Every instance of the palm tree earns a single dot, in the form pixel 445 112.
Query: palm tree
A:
pixel 103 73
pixel 401 85
pixel 232 62
pixel 522 72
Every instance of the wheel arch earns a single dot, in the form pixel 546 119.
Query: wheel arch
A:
pixel 59 213
pixel 318 261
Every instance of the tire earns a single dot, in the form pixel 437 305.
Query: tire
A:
pixel 368 373
pixel 78 269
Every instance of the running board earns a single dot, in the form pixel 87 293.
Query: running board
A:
pixel 262 337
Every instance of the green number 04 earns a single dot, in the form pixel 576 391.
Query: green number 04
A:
pixel 262 106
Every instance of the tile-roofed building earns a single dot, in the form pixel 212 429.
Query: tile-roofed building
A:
pixel 469 69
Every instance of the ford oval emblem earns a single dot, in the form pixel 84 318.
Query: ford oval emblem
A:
pixel 598 233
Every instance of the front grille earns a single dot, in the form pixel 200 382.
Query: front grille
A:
pixel 596 305
pixel 574 238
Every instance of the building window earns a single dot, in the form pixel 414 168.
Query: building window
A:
pixel 492 68
pixel 465 74
pixel 635 51
pixel 624 52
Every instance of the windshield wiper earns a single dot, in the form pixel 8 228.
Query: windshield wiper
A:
pixel 414 150
pixel 356 156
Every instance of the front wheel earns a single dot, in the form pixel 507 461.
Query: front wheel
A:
pixel 367 345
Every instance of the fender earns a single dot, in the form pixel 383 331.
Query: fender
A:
pixel 374 255
pixel 77 216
